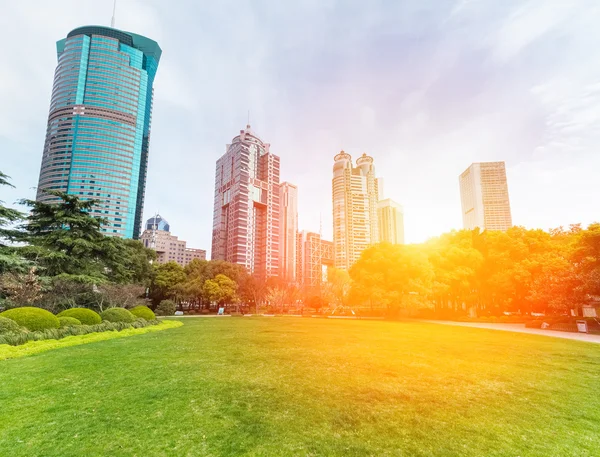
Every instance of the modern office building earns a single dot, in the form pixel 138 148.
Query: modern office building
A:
pixel 484 197
pixel 169 248
pixel 288 229
pixel 313 257
pixel 355 197
pixel 246 206
pixel 98 131
pixel 391 221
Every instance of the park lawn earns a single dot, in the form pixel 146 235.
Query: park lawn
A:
pixel 305 387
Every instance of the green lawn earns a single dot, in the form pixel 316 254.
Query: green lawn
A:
pixel 305 387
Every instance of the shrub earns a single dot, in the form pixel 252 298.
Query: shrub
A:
pixel 32 318
pixel 166 308
pixel 117 315
pixel 83 315
pixel 8 325
pixel 15 339
pixel 144 312
pixel 66 321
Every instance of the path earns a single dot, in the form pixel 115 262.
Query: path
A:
pixel 520 328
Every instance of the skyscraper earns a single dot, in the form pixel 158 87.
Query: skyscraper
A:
pixel 391 221
pixel 484 197
pixel 355 197
pixel 246 206
pixel 288 228
pixel 98 130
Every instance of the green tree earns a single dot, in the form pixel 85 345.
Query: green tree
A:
pixel 221 290
pixel 10 261
pixel 388 274
pixel 165 281
pixel 64 239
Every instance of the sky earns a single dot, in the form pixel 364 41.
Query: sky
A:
pixel 425 87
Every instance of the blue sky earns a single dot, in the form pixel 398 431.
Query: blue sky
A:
pixel 425 87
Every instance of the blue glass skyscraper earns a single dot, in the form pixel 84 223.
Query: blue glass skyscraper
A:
pixel 99 124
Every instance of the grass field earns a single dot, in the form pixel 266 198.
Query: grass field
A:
pixel 305 387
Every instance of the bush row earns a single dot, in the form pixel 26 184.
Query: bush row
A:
pixel 22 337
pixel 30 319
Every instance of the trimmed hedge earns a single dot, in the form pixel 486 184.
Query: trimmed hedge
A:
pixel 15 339
pixel 117 315
pixel 8 325
pixel 66 321
pixel 83 315
pixel 166 308
pixel 32 319
pixel 144 312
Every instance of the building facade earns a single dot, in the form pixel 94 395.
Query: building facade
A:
pixel 98 131
pixel 246 206
pixel 288 228
pixel 313 257
pixel 484 197
pixel 168 248
pixel 391 221
pixel 355 195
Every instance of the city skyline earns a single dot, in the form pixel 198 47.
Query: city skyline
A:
pixel 449 109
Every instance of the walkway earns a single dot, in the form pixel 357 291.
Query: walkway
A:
pixel 520 328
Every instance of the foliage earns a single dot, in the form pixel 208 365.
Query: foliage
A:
pixel 337 288
pixel 110 295
pixel 117 315
pixel 144 312
pixel 16 339
pixel 10 260
pixel 32 318
pixel 68 321
pixel 166 278
pixel 166 308
pixel 128 261
pixel 387 274
pixel 221 290
pixel 84 315
pixel 8 325
pixel 483 273
pixel 63 237
pixel 21 289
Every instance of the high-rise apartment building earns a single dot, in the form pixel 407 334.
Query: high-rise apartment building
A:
pixel 314 256
pixel 288 228
pixel 168 248
pixel 246 206
pixel 391 221
pixel 98 130
pixel 355 197
pixel 484 197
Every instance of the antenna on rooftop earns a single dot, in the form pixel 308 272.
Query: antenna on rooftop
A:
pixel 112 21
pixel 320 226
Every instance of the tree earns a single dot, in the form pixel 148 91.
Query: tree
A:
pixel 127 261
pixel 10 261
pixel 388 274
pixel 63 238
pixel 166 278
pixel 221 290
pixel 337 287
pixel 276 297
